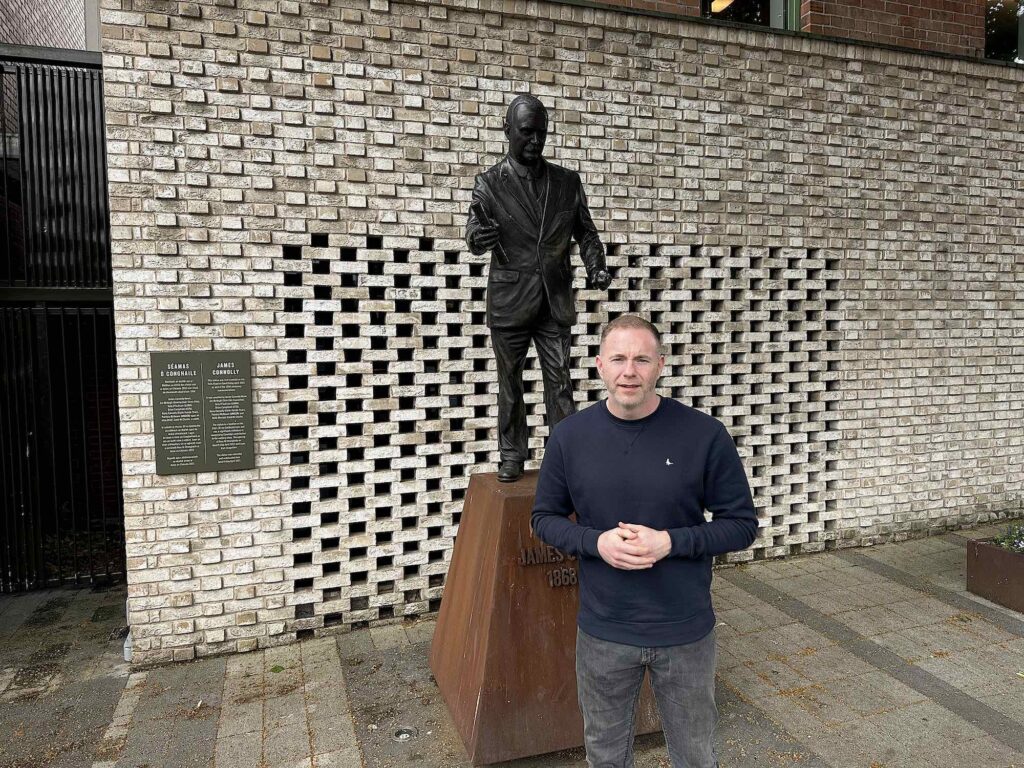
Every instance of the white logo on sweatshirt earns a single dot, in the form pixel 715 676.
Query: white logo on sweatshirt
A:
pixel 668 462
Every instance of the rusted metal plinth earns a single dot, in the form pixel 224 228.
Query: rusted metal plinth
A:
pixel 994 573
pixel 504 650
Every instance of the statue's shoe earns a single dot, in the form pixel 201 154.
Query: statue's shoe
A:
pixel 509 471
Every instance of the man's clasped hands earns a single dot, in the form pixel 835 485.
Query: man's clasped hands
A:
pixel 633 547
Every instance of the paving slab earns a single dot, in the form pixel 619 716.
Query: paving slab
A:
pixel 62 674
pixel 404 698
pixel 869 658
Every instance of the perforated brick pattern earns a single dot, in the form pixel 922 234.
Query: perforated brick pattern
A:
pixel 391 398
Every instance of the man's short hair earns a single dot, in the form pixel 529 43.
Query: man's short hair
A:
pixel 631 321
pixel 524 100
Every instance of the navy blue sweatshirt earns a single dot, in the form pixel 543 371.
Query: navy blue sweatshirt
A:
pixel 661 471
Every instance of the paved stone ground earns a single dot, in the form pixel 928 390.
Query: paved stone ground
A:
pixel 61 675
pixel 874 657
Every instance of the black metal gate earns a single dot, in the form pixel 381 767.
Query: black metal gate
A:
pixel 61 512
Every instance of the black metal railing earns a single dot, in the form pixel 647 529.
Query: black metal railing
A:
pixel 60 474
pixel 55 230
pixel 61 510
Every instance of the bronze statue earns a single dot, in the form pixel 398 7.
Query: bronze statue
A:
pixel 526 211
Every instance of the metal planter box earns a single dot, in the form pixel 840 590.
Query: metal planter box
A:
pixel 996 574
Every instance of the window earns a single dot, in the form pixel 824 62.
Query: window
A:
pixel 1004 30
pixel 780 14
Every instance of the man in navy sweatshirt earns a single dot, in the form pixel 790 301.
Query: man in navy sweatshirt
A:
pixel 639 471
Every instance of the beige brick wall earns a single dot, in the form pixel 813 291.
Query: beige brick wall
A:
pixel 828 233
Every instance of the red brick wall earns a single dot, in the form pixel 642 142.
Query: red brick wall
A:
pixel 683 7
pixel 949 26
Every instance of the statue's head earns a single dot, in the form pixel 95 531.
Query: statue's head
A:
pixel 526 128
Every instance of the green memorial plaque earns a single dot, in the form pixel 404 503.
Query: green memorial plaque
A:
pixel 202 408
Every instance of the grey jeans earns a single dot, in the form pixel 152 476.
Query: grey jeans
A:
pixel 608 678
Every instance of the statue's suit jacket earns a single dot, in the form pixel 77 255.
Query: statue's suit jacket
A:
pixel 536 239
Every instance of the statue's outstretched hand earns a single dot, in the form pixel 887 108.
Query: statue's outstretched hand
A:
pixel 602 279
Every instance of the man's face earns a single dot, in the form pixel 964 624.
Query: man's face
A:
pixel 630 365
pixel 526 134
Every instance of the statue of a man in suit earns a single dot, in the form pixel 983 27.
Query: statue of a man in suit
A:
pixel 527 211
